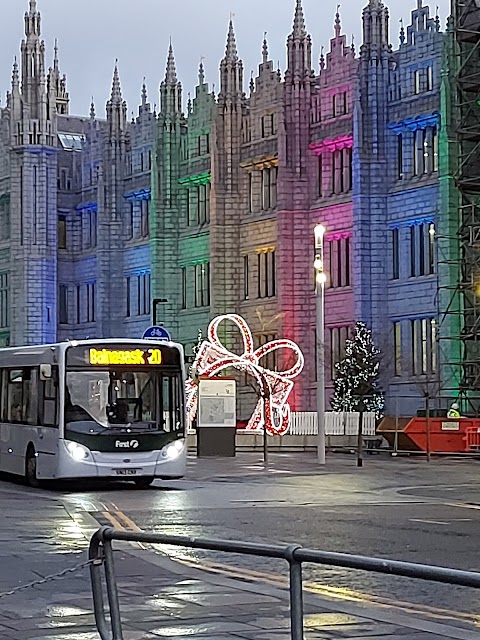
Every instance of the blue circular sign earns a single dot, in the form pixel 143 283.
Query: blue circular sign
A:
pixel 157 333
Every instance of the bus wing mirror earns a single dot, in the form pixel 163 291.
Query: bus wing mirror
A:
pixel 45 372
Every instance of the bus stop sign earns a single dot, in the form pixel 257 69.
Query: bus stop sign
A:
pixel 157 333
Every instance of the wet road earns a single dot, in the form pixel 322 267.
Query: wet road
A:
pixel 396 509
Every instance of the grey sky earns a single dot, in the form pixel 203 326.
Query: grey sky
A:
pixel 92 33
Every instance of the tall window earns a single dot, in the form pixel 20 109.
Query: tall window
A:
pixel 202 284
pixel 63 304
pixel 143 294
pixel 128 296
pixel 89 229
pixel 320 176
pixel 395 254
pixel 35 205
pixel 338 339
pixel 203 203
pixel 397 347
pixel 144 218
pixel 267 274
pixel 429 78
pixel 250 192
pixel 184 287
pixel 5 219
pixel 338 252
pixel 62 231
pixel 78 300
pixel 431 248
pixel 422 249
pixel 269 188
pixel 435 148
pixel 246 278
pixel 413 252
pixel 424 346
pixel 91 301
pixel 270 361
pixel 189 208
pixel 400 156
pixel 342 171
pixel 4 301
pixel 416 82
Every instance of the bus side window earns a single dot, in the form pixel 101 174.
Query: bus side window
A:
pixel 15 396
pixel 30 396
pixel 48 400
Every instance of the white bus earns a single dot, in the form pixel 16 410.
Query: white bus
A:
pixel 93 409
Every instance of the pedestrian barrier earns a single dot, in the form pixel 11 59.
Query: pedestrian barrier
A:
pixel 102 567
pixel 472 439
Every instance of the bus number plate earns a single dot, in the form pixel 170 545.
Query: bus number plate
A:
pixel 127 472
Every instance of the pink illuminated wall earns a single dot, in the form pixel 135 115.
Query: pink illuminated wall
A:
pixel 317 188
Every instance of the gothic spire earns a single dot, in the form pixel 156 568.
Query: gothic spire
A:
pixel 171 72
pixel 33 6
pixel 231 54
pixel 299 28
pixel 92 109
pixel 402 32
pixel 116 96
pixel 144 93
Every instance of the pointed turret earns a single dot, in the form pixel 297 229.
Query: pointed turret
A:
pixel 299 46
pixel 92 110
pixel 144 94
pixel 171 72
pixel 116 95
pixel 116 107
pixel 58 97
pixel 231 67
pixel 231 53
pixel 171 88
pixel 376 25
pixel 299 27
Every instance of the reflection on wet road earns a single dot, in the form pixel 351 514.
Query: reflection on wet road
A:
pixel 330 514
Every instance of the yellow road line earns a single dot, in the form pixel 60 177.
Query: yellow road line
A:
pixel 113 521
pixel 127 521
pixel 327 591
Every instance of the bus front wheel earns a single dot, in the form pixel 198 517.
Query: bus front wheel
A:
pixel 144 483
pixel 31 468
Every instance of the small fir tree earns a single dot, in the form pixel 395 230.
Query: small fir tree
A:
pixel 356 382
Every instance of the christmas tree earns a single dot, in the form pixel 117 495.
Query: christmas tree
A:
pixel 356 382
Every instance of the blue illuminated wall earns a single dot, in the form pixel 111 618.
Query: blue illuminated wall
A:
pixel 396 204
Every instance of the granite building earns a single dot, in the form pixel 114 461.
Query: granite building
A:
pixel 210 204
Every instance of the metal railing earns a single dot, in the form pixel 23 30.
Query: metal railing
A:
pixel 101 558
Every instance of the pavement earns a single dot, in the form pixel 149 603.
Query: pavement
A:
pixel 176 593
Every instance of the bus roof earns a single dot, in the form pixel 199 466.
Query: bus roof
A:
pixel 48 353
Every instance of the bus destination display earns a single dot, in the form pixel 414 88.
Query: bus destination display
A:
pixel 112 357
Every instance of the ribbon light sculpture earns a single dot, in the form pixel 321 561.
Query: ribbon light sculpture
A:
pixel 272 411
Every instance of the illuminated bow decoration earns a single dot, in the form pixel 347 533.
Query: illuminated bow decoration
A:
pixel 272 411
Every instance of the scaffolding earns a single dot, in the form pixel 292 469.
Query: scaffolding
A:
pixel 459 241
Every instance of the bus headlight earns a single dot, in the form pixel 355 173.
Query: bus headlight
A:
pixel 77 451
pixel 173 450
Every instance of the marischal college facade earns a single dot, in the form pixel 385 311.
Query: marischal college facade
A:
pixel 211 206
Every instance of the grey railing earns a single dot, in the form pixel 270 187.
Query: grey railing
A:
pixel 103 565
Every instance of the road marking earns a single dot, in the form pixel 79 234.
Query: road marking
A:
pixel 462 505
pixel 323 590
pixel 429 521
pixel 113 521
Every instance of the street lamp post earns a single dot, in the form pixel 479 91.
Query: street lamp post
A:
pixel 320 280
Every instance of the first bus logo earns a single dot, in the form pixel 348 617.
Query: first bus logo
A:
pixel 128 444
